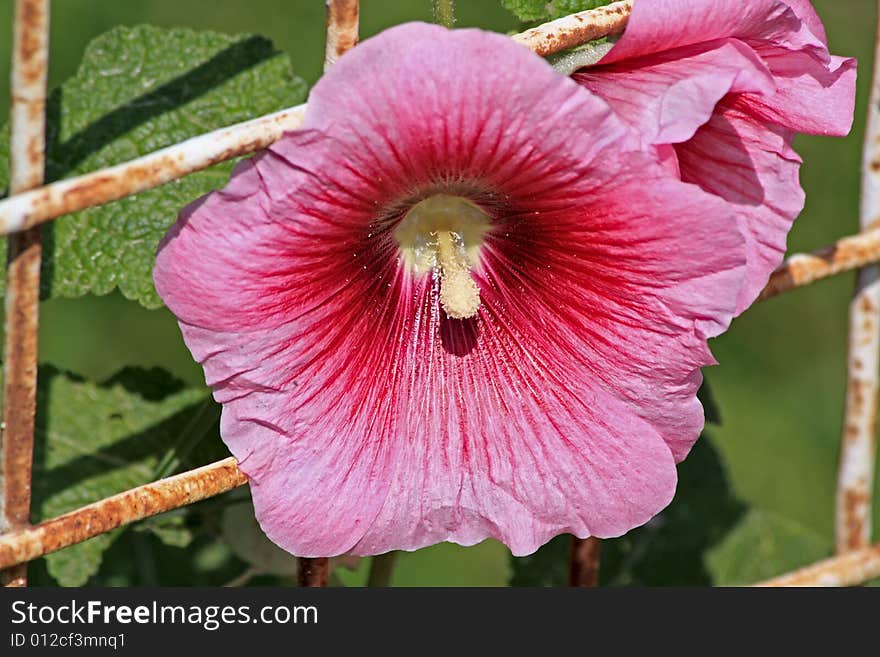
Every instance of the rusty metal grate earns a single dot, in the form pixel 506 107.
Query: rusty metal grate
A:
pixel 30 204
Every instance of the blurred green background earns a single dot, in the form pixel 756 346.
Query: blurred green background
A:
pixel 780 383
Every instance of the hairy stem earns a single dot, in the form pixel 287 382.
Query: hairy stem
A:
pixel 444 13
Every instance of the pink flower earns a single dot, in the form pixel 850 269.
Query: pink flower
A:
pixel 721 87
pixel 461 302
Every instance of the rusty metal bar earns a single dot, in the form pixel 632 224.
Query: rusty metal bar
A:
pixel 576 29
pixel 849 569
pixel 74 194
pixel 855 480
pixel 848 253
pixel 22 545
pixel 30 60
pixel 342 29
pixel 313 572
pixel 583 562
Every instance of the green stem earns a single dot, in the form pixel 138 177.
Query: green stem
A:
pixel 444 13
pixel 381 570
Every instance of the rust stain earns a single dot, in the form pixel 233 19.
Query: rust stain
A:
pixel 342 26
pixel 857 397
pixel 855 501
pixel 31 20
pixel 852 433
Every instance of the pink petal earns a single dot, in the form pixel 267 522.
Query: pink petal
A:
pixel 805 11
pixel 366 419
pixel 658 25
pixel 811 97
pixel 750 164
pixel 814 91
pixel 742 153
pixel 668 96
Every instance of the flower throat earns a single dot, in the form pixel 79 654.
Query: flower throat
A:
pixel 444 234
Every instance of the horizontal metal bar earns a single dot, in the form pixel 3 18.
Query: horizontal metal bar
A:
pixel 105 515
pixel 846 254
pixel 848 569
pixel 576 29
pixel 23 211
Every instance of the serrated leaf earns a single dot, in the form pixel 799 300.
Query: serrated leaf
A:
pixel 140 89
pixel 764 545
pixel 95 440
pixel 668 550
pixel 544 10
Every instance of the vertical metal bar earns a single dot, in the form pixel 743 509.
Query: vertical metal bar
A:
pixel 342 29
pixel 313 572
pixel 583 567
pixel 342 35
pixel 30 60
pixel 859 444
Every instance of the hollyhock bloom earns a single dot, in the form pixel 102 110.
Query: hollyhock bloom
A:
pixel 721 87
pixel 460 302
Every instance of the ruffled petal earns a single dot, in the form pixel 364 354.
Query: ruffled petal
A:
pixel 812 96
pixel 658 25
pixel 751 164
pixel 743 152
pixel 809 90
pixel 668 96
pixel 805 11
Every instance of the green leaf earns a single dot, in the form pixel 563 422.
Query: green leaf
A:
pixel 527 10
pixel 545 10
pixel 243 535
pixel 95 440
pixel 669 549
pixel 546 567
pixel 138 90
pixel 170 528
pixel 764 545
pixel 710 404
